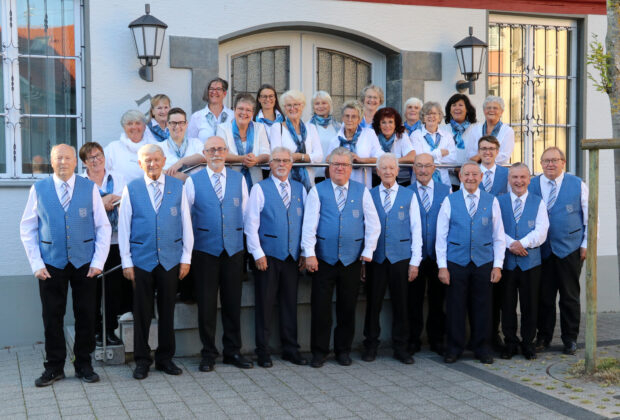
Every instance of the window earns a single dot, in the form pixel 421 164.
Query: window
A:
pixel 532 66
pixel 42 90
pixel 252 69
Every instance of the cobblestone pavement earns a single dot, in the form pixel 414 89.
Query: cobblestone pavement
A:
pixel 515 389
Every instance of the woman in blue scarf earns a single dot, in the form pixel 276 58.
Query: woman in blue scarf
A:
pixel 493 108
pixel 158 117
pixel 326 125
pixel 460 117
pixel 268 109
pixel 372 98
pixel 412 115
pixel 180 151
pixel 392 138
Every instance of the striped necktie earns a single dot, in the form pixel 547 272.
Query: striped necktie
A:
pixel 487 183
pixel 284 194
pixel 341 198
pixel 387 203
pixel 553 195
pixel 65 199
pixel 518 209
pixel 157 195
pixel 426 200
pixel 217 186
pixel 472 204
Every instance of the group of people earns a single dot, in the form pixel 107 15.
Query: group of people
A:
pixel 400 227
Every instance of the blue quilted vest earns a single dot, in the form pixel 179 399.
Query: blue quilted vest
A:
pixel 527 223
pixel 500 181
pixel 429 220
pixel 395 240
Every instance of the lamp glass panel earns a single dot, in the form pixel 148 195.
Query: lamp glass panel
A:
pixel 150 33
pixel 139 38
pixel 160 41
pixel 467 60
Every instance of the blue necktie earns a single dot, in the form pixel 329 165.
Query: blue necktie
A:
pixel 341 198
pixel 426 201
pixel 217 186
pixel 157 195
pixel 387 204
pixel 284 194
pixel 65 199
pixel 553 195
pixel 518 209
pixel 472 204
pixel 487 183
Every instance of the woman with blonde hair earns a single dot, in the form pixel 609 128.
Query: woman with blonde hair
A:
pixel 158 117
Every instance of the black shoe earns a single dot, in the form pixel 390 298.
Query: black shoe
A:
pixel 87 375
pixel 450 358
pixel 570 348
pixel 486 359
pixel 344 359
pixel 498 343
pixel 295 358
pixel 112 339
pixel 141 371
pixel 369 355
pixel 414 348
pixel 264 361
pixel 405 358
pixel 206 364
pixel 48 377
pixel 318 360
pixel 508 351
pixel 528 352
pixel 437 348
pixel 99 339
pixel 542 344
pixel 168 367
pixel 239 361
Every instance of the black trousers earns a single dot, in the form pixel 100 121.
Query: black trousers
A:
pixel 53 292
pixel 521 285
pixel 560 275
pixel 221 274
pixel 346 280
pixel 145 284
pixel 436 318
pixel 378 279
pixel 497 293
pixel 118 293
pixel 277 284
pixel 469 284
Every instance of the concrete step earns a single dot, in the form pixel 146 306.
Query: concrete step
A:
pixel 113 355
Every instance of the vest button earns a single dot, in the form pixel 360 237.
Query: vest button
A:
pixel 158 249
pixel 67 236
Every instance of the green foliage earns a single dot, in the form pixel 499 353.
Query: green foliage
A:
pixel 601 61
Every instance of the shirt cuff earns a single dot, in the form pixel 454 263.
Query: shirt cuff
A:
pixel 442 263
pixel 258 253
pixel 37 265
pixel 309 252
pixel 584 244
pixel 367 253
pixel 186 258
pixel 126 262
pixel 97 264
pixel 415 261
pixel 498 263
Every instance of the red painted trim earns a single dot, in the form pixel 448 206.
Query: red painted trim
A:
pixel 571 7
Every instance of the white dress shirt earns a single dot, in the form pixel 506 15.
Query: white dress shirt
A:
pixel 443 226
pixel 506 138
pixel 256 203
pixel 372 225
pixel 202 129
pixel 29 226
pixel 445 142
pixel 119 184
pixel 260 146
pixel 469 138
pixel 281 137
pixel 367 146
pixel 415 223
pixel 121 156
pixel 537 236
pixel 124 222
pixel 194 147
pixel 545 189
pixel 190 188
pixel 326 134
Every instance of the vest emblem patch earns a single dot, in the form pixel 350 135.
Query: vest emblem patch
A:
pixel 401 215
pixel 356 213
pixel 531 223
pixel 485 221
pixel 236 201
pixel 82 212
pixel 173 211
pixel 569 208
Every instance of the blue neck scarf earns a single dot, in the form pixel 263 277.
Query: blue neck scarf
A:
pixel 386 144
pixel 495 131
pixel 249 146
pixel 158 133
pixel 365 124
pixel 178 151
pixel 112 214
pixel 213 121
pixel 268 122
pixel 458 130
pixel 322 121
pixel 351 144
pixel 411 128
pixel 299 173
pixel 429 139
pixel 437 177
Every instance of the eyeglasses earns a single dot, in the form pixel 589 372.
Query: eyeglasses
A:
pixel 421 166
pixel 98 156
pixel 340 165
pixel 212 150
pixel 428 114
pixel 267 96
pixel 216 89
pixel 290 106
pixel 177 123
pixel 487 149
pixel 548 161
pixel 281 161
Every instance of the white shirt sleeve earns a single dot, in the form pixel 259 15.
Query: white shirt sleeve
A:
pixel 29 232
pixel 103 231
pixel 192 127
pixel 507 144
pixel 372 225
pixel 124 225
pixel 262 140
pixel 536 237
pixel 316 154
pixel 499 239
pixel 375 147
pixel 441 240
pixel 449 145
pixel 311 223
pixel 256 202
pixel 584 209
pixel 416 232
pixel 244 196
pixel 190 191
pixel 188 232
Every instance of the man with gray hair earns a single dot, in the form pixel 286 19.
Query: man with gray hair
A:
pixel 273 231
pixel 66 234
pixel 155 239
pixel 340 231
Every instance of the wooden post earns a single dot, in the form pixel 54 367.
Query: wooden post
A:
pixel 591 289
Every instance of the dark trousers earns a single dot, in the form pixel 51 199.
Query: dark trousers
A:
pixel 436 318
pixel 521 285
pixel 224 274
pixel 277 284
pixel 378 279
pixel 118 293
pixel 346 280
pixel 560 275
pixel 497 293
pixel 145 285
pixel 469 284
pixel 53 292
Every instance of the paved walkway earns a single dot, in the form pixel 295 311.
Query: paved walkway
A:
pixel 515 389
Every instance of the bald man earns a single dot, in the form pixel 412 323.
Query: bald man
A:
pixel 66 234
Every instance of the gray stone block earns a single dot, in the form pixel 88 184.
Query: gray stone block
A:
pixel 421 65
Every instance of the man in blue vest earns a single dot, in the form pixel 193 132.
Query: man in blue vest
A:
pixel 430 195
pixel 526 223
pixel 470 249
pixel 273 230
pixel 66 235
pixel 395 261
pixel 340 231
pixel 566 198
pixel 218 197
pixel 155 240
